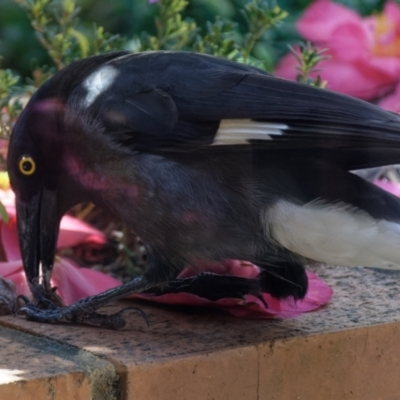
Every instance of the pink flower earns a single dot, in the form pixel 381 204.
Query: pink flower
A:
pixel 392 101
pixel 391 187
pixel 364 52
pixel 74 283
pixel 318 294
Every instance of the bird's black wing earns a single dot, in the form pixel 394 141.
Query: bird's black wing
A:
pixel 281 115
pixel 169 101
pixel 134 97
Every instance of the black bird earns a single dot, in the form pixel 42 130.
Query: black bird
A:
pixel 206 159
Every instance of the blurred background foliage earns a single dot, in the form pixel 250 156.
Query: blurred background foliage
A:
pixel 22 52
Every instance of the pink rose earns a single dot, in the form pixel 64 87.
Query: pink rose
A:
pixel 391 187
pixel 318 294
pixel 364 52
pixel 392 101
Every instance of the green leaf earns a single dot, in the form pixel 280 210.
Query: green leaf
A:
pixel 82 41
pixel 3 213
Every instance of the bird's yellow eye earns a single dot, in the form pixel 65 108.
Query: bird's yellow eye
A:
pixel 27 165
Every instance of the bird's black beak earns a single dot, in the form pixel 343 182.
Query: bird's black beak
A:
pixel 38 225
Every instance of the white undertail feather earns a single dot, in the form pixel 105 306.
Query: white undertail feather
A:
pixel 240 131
pixel 335 234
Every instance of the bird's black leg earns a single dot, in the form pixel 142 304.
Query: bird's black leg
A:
pixel 212 286
pixel 159 272
pixel 284 279
pixel 45 296
pixel 85 310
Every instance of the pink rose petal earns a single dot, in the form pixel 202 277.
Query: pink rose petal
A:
pixel 14 271
pixel 239 268
pixel 74 283
pixel 365 52
pixel 392 12
pixel 74 231
pixel 318 294
pixel 391 187
pixel 362 81
pixel 9 240
pixel 392 101
pixel 320 20
pixel 349 42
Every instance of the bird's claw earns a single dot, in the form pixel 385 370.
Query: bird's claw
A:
pixel 77 314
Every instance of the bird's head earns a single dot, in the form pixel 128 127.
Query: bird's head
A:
pixel 43 187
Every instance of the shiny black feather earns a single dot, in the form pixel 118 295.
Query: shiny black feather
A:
pixel 175 100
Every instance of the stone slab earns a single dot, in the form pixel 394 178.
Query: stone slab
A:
pixel 346 350
pixel 36 368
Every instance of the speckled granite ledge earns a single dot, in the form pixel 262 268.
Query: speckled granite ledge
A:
pixel 348 350
pixel 33 367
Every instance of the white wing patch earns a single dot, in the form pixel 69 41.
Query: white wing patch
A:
pixel 240 131
pixel 98 82
pixel 334 234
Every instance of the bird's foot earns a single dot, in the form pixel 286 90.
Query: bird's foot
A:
pixel 78 313
pixel 212 286
pixel 45 296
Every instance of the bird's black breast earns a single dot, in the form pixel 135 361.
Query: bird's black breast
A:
pixel 198 205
